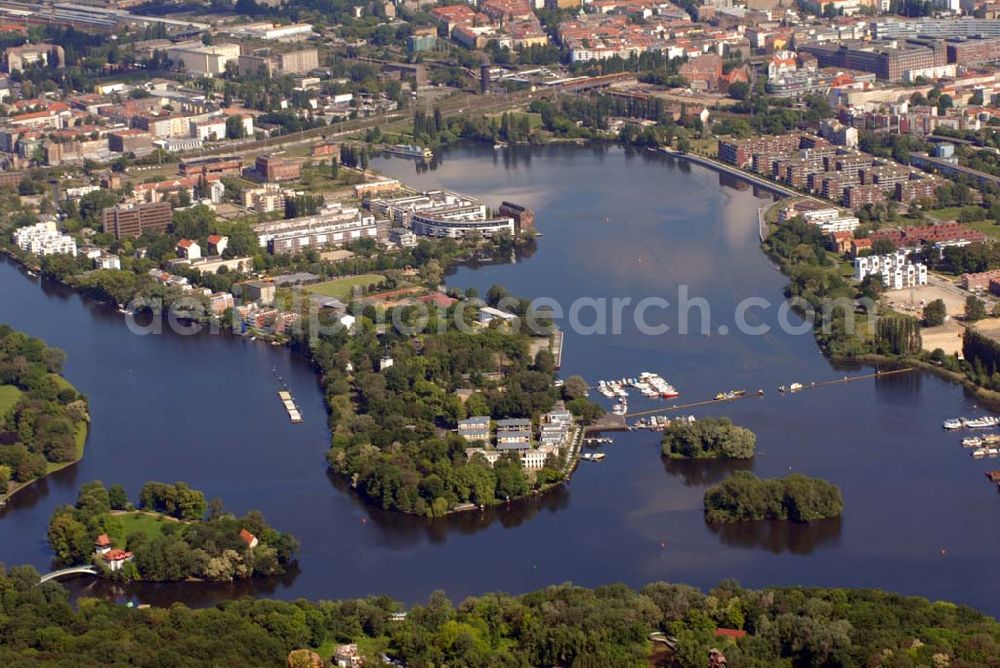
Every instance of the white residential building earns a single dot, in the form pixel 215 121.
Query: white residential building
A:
pixel 334 225
pixel 811 212
pixel 533 459
pixel 44 239
pixel 108 261
pixel 213 129
pixel 896 270
pixel 267 198
pixel 196 58
pixel 844 224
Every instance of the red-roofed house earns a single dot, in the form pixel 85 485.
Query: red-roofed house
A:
pixel 859 246
pixel 117 558
pixel 702 72
pixel 102 544
pixel 736 75
pixel 437 299
pixel 189 249
pixel 841 241
pixel 249 538
pixel 730 633
pixel 454 15
pixel 217 244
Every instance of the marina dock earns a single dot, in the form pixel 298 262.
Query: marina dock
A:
pixel 557 347
pixel 293 412
pixel 611 422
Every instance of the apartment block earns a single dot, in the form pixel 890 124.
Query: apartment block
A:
pixel 134 220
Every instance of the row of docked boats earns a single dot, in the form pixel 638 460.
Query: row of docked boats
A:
pixel 660 422
pixel 984 422
pixel 987 445
pixel 650 385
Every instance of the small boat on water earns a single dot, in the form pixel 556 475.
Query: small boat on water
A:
pixel 410 151
pixel 983 422
pixel 731 394
pixel 991 439
pixel 597 456
pixel 32 274
pixel 972 442
pixel 794 387
pixel 954 423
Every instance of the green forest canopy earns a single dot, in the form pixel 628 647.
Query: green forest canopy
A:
pixel 42 417
pixel 708 438
pixel 560 625
pixel 744 497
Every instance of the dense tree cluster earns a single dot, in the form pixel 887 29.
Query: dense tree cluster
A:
pixel 46 422
pixel 302 205
pixel 561 625
pixel 935 313
pixel 177 500
pixel 982 355
pixel 173 549
pixel 972 258
pixel 708 438
pixel 745 497
pixel 898 335
pixel 800 250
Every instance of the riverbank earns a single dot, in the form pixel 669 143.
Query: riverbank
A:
pixel 985 395
pixel 80 438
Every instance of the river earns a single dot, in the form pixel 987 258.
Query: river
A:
pixel 919 513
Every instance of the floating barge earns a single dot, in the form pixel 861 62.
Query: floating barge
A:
pixel 293 412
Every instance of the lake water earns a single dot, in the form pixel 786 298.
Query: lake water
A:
pixel 919 514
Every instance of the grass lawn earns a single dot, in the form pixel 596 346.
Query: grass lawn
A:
pixel 987 227
pixel 948 213
pixel 534 119
pixel 707 146
pixel 341 288
pixel 9 397
pixel 150 525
